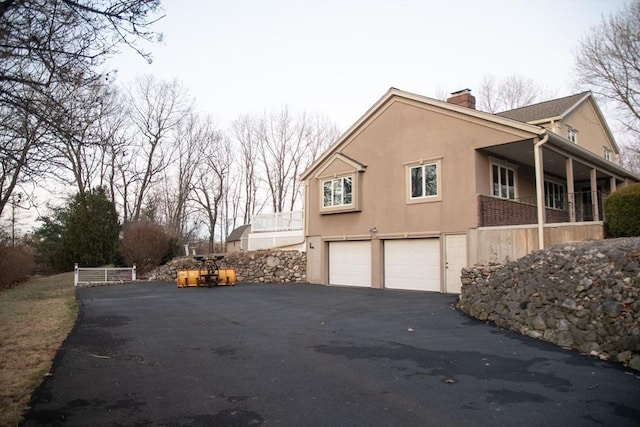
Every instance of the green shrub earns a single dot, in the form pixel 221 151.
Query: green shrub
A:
pixel 622 212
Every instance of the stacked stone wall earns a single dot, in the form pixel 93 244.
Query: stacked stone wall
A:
pixel 584 296
pixel 266 266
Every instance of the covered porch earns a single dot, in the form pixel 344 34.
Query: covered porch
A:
pixel 549 180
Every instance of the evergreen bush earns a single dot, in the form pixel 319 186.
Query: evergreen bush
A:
pixel 622 212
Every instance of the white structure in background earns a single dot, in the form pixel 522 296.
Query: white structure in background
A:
pixel 238 240
pixel 282 230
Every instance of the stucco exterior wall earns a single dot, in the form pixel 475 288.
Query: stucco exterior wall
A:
pixel 591 134
pixel 401 134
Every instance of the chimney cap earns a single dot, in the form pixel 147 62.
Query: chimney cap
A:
pixel 461 91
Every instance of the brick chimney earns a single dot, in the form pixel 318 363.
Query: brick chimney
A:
pixel 463 98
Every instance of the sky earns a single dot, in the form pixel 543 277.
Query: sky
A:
pixel 338 58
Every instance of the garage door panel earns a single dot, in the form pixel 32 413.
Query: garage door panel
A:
pixel 412 264
pixel 350 263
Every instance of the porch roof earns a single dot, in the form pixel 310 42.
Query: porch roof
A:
pixel 558 149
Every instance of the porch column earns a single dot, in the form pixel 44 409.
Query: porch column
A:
pixel 612 184
pixel 571 193
pixel 594 195
pixel 537 155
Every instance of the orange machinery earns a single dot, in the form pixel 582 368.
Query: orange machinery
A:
pixel 209 274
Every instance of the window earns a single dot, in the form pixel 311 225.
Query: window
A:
pixel 607 154
pixel 554 195
pixel 504 183
pixel 424 181
pixel 337 192
pixel 572 134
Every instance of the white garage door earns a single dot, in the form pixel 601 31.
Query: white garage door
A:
pixel 350 263
pixel 412 264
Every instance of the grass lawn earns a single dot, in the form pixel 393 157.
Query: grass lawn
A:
pixel 35 318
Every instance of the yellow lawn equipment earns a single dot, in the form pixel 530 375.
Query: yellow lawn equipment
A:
pixel 209 274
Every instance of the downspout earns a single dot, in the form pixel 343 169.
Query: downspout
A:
pixel 537 155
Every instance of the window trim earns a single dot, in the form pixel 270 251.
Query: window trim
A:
pixel 353 206
pixel 608 154
pixel 408 182
pixel 572 134
pixel 507 167
pixel 563 192
pixel 334 181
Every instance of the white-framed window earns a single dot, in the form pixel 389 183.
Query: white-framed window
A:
pixel 337 192
pixel 554 195
pixel 423 181
pixel 607 154
pixel 503 181
pixel 572 134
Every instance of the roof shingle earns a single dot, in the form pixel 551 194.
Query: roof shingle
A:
pixel 236 234
pixel 543 110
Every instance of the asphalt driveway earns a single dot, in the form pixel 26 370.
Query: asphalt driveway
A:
pixel 307 355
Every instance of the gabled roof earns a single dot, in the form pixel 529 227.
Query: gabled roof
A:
pixel 557 109
pixel 447 106
pixel 547 110
pixel 236 234
pixel 356 165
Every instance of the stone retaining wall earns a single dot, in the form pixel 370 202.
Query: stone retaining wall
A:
pixel 584 296
pixel 266 266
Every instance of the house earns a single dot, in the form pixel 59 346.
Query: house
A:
pixel 237 239
pixel 418 188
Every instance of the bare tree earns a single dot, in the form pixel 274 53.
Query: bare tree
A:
pixel 212 180
pixel 22 154
pixel 287 144
pixel 44 43
pixel 321 133
pixel 514 91
pixel 245 133
pixel 192 140
pixel 629 157
pixel 42 40
pixel 232 201
pixel 157 109
pixel 281 139
pixel 79 144
pixel 114 130
pixel 441 93
pixel 608 63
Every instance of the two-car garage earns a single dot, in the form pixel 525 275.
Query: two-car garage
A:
pixel 412 264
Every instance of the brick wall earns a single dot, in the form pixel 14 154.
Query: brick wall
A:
pixel 494 211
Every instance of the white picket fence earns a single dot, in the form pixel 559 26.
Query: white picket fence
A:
pixel 85 275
